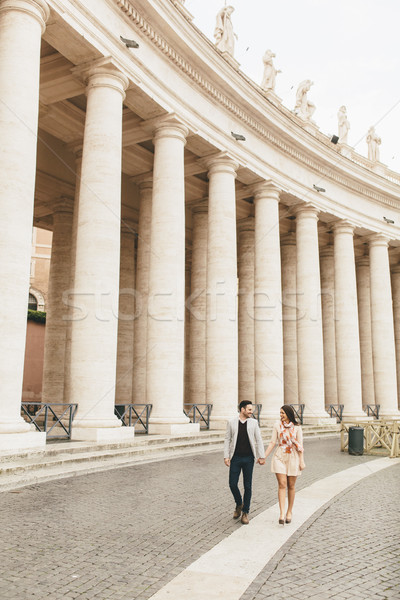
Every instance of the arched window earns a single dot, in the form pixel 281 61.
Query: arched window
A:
pixel 32 302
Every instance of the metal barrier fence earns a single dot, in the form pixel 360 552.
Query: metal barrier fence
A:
pixel 381 435
pixel 134 415
pixel 199 413
pixel 372 410
pixel 336 410
pixel 257 412
pixel 298 411
pixel 44 415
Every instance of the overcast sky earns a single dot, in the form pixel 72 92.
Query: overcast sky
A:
pixel 349 48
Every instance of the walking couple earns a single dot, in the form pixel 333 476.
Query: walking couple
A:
pixel 243 444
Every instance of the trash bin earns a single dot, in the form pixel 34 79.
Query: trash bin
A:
pixel 356 440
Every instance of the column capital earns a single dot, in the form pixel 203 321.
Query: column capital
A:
pixel 343 226
pixel 221 163
pixel 104 72
pixel 247 224
pixel 76 148
pixel 36 8
pixel 326 252
pixel 306 209
pixel 145 186
pixel 188 259
pixel 200 208
pixel 288 239
pixel 64 204
pixel 362 261
pixel 265 189
pixel 378 239
pixel 170 126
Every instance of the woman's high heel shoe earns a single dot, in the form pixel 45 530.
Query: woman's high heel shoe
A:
pixel 281 521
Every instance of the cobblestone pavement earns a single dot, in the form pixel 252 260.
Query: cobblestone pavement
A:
pixel 349 549
pixel 123 534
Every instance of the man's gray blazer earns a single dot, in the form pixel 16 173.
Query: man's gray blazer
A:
pixel 254 433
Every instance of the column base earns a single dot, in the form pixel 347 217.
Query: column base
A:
pixel 319 420
pixel 175 429
pixel 219 423
pixel 22 441
pixel 390 416
pixel 268 421
pixel 356 418
pixel 103 434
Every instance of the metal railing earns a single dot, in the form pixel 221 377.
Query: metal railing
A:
pixel 49 418
pixel 134 415
pixel 199 413
pixel 298 411
pixel 372 410
pixel 257 412
pixel 336 410
pixel 379 437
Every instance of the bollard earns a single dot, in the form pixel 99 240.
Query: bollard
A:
pixel 356 440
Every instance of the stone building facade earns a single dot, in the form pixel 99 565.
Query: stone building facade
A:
pixel 127 155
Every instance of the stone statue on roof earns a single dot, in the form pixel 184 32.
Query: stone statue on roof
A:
pixel 304 108
pixel 270 73
pixel 343 125
pixel 373 141
pixel 223 33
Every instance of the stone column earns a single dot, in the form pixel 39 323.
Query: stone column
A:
pixel 188 270
pixel 21 26
pixel 396 317
pixel 246 255
pixel 57 308
pixel 126 315
pixel 327 267
pixel 96 280
pixel 222 325
pixel 364 323
pixel 289 318
pixel 166 308
pixel 268 302
pixel 348 360
pixel 383 347
pixel 142 294
pixel 310 349
pixel 69 295
pixel 198 307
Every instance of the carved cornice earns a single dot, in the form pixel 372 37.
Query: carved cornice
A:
pixel 297 154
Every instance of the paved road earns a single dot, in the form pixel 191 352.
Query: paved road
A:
pixel 123 534
pixel 349 549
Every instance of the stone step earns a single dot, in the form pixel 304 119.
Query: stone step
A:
pixel 55 447
pixel 35 474
pixel 66 459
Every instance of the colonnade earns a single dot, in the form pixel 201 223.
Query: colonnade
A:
pixel 272 318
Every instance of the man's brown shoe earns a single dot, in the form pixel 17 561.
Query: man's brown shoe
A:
pixel 245 519
pixel 238 511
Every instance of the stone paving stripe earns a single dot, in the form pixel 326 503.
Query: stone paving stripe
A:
pixel 227 570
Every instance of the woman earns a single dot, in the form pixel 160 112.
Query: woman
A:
pixel 288 460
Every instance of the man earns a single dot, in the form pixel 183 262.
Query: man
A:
pixel 243 444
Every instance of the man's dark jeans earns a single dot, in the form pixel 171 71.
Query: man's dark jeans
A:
pixel 238 464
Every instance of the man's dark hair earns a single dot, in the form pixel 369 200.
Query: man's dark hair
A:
pixel 244 403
